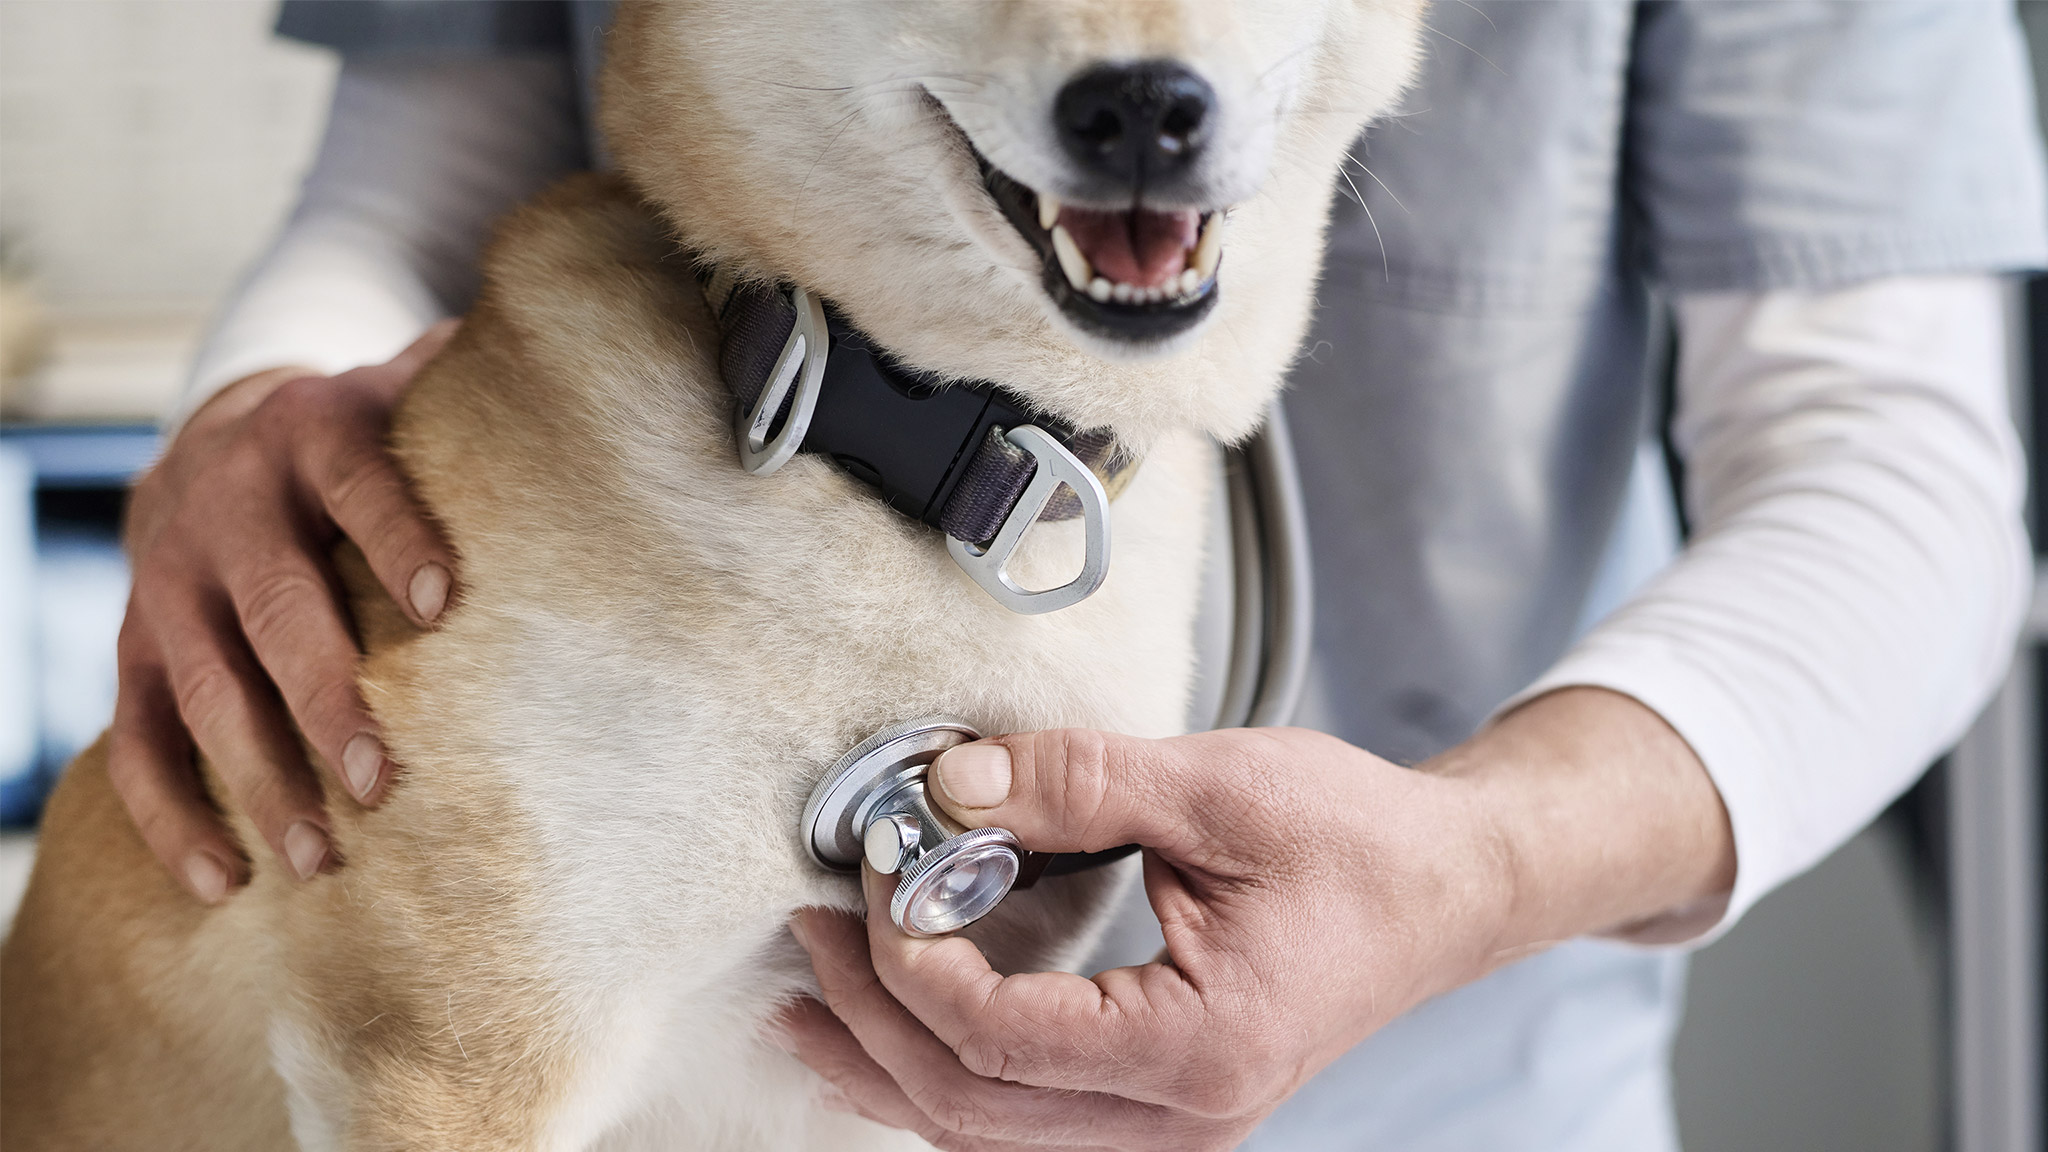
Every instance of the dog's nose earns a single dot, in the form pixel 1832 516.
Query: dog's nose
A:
pixel 1137 123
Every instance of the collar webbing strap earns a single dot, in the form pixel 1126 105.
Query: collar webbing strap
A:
pixel 938 453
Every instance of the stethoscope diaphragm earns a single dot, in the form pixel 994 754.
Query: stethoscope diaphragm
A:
pixel 872 805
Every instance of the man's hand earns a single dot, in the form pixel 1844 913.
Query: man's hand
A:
pixel 236 625
pixel 1309 893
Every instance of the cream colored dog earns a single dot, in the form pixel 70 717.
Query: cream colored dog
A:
pixel 565 928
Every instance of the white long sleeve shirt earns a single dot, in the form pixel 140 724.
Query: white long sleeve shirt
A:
pixel 1849 598
pixel 1858 566
pixel 417 162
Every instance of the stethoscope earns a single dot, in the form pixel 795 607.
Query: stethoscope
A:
pixel 873 806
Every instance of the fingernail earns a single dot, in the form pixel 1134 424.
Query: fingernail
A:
pixel 831 1099
pixel 781 1038
pixel 306 847
pixel 361 760
pixel 428 591
pixel 975 775
pixel 208 879
pixel 796 929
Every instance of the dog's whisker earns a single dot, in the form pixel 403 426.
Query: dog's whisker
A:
pixel 1386 265
pixel 1275 66
pixel 842 125
pixel 1465 46
pixel 805 87
pixel 1376 179
pixel 926 79
pixel 1483 14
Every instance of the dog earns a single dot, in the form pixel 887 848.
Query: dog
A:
pixel 565 927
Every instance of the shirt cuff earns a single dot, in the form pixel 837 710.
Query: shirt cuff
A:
pixel 1657 675
pixel 322 305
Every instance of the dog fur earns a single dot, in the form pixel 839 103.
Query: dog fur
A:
pixel 565 927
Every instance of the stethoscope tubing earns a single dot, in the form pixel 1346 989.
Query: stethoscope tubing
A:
pixel 1272 580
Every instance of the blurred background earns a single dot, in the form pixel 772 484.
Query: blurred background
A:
pixel 1889 1000
pixel 147 151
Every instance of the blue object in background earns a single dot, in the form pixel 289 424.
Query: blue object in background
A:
pixel 63 589
pixel 81 593
pixel 20 763
pixel 91 456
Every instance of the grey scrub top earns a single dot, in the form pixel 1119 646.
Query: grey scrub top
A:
pixel 1470 412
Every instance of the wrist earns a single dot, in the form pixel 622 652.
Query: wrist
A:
pixel 1594 815
pixel 241 396
pixel 1492 873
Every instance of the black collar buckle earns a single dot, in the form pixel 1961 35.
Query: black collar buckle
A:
pixel 965 458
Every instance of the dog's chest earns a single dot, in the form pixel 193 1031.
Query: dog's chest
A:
pixel 655 693
pixel 656 684
pixel 655 656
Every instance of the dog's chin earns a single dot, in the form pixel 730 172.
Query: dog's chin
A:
pixel 1119 349
pixel 1160 312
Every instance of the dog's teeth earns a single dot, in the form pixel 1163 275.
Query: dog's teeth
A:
pixel 1123 293
pixel 1189 281
pixel 1098 290
pixel 1048 210
pixel 1209 249
pixel 1072 262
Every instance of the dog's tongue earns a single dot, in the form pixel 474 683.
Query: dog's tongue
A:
pixel 1140 247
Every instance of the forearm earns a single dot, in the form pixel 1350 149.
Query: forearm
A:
pixel 1600 816
pixel 420 156
pixel 1855 576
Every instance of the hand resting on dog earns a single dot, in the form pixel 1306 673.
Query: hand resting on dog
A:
pixel 1309 893
pixel 236 616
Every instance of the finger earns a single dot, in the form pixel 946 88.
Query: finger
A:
pixel 237 720
pixel 930 1076
pixel 1077 790
pixel 294 622
pixel 1140 1033
pixel 361 489
pixel 824 1043
pixel 149 764
pixel 348 472
pixel 390 379
pixel 1023 1034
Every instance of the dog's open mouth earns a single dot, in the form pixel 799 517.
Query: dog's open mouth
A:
pixel 1136 274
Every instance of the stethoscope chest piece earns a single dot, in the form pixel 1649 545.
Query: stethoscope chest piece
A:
pixel 872 806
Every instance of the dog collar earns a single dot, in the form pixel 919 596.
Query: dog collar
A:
pixel 967 458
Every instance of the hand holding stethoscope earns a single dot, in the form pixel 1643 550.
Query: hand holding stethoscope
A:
pixel 1270 931
pixel 1309 892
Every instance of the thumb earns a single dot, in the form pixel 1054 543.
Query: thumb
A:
pixel 429 344
pixel 1076 790
pixel 391 378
